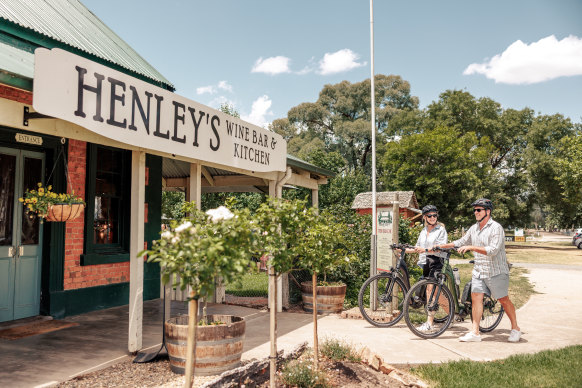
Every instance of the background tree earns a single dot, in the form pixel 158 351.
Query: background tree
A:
pixel 340 118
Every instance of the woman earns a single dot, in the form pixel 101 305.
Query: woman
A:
pixel 434 233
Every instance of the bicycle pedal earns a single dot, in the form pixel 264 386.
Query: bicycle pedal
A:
pixel 458 318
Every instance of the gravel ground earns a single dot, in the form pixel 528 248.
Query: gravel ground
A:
pixel 128 374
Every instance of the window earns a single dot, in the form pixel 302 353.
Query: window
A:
pixel 108 205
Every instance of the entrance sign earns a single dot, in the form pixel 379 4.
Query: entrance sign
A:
pixel 131 111
pixel 384 222
pixel 28 139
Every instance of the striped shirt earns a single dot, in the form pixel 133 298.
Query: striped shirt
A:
pixel 437 236
pixel 492 238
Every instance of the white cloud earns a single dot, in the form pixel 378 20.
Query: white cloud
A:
pixel 340 61
pixel 259 111
pixel 225 86
pixel 205 89
pixel 540 61
pixel 272 65
pixel 213 89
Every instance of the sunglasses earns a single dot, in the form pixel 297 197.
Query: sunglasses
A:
pixel 432 216
pixel 478 210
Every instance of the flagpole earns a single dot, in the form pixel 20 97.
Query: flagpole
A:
pixel 373 121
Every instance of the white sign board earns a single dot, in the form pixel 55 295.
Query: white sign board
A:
pixel 131 111
pixel 384 238
pixel 518 232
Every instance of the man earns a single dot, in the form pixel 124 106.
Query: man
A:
pixel 491 272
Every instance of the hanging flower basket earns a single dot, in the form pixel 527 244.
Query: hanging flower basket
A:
pixel 55 207
pixel 62 212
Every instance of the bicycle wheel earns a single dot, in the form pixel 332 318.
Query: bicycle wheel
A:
pixel 417 311
pixel 390 295
pixel 492 314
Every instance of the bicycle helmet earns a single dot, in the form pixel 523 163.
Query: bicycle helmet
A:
pixel 483 202
pixel 429 209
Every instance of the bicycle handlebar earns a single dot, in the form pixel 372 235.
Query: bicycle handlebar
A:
pixel 444 249
pixel 401 246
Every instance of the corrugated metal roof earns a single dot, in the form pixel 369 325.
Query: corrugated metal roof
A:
pixel 296 162
pixel 70 22
pixel 16 61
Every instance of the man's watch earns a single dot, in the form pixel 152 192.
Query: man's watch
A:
pixel 425 250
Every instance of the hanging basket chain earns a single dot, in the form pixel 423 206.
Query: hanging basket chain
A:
pixel 62 152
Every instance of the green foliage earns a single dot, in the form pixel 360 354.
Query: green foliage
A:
pixel 340 119
pixel 323 246
pixel 279 228
pixel 172 202
pixel 301 374
pixel 337 350
pixel 203 247
pixel 251 284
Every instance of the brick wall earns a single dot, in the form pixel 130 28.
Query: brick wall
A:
pixel 15 94
pixel 77 276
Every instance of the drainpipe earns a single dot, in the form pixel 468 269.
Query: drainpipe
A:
pixel 279 186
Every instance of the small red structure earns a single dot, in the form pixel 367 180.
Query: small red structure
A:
pixel 407 200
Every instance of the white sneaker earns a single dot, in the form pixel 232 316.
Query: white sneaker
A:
pixel 470 337
pixel 514 336
pixel 425 327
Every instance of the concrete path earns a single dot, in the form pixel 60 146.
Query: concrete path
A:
pixel 551 319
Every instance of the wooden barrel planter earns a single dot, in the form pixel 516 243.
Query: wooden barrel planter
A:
pixel 330 299
pixel 218 347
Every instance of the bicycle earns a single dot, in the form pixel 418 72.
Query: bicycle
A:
pixel 443 301
pixel 384 309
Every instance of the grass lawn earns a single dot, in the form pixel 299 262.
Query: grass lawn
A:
pixel 252 284
pixel 550 368
pixel 534 252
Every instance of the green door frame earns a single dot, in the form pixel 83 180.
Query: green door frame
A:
pixel 22 260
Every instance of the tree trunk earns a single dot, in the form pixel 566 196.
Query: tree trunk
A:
pixel 191 344
pixel 273 328
pixel 315 342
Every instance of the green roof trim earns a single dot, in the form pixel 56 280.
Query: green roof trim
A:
pixel 69 25
pixel 294 161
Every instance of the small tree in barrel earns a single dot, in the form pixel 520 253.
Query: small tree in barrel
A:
pixel 279 225
pixel 199 249
pixel 322 248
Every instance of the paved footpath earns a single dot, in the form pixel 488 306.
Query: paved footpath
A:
pixel 550 320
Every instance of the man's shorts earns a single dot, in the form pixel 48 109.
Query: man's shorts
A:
pixel 496 286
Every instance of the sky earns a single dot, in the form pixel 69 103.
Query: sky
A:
pixel 264 57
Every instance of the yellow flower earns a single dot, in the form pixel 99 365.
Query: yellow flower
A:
pixel 53 195
pixel 41 190
pixel 34 200
pixel 29 207
pixel 39 184
pixel 21 199
pixel 50 187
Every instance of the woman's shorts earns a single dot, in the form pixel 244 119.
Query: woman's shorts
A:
pixel 433 264
pixel 496 286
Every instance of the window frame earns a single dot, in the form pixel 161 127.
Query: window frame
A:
pixel 107 253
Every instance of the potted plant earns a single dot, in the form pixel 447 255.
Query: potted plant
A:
pixel 322 249
pixel 51 206
pixel 201 248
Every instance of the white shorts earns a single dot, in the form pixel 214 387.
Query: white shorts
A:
pixel 496 286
